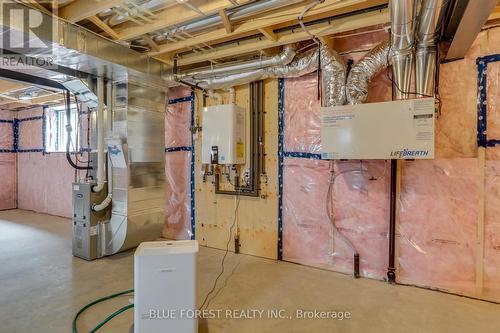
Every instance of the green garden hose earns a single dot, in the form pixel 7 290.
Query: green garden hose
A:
pixel 116 313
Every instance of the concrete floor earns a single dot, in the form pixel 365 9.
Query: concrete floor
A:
pixel 42 286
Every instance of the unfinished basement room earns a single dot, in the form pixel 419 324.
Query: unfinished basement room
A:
pixel 249 166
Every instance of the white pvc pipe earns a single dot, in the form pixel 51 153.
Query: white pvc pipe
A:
pixel 232 95
pixel 100 136
pixel 109 114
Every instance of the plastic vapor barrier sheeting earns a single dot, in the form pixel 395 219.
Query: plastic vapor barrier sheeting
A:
pixel 491 282
pixel 438 223
pixel 360 195
pixel 178 166
pixel 44 180
pixel 7 162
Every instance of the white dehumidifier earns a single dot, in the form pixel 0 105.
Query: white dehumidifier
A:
pixel 165 287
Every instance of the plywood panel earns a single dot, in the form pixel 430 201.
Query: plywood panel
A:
pixel 256 217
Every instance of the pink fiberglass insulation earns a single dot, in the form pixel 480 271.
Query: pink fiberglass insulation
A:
pixel 491 261
pixel 45 183
pixel 438 224
pixel 360 212
pixel 493 101
pixel 179 92
pixel 177 125
pixel 302 118
pixel 360 205
pixel 6 135
pixel 178 195
pixel 456 134
pixel 8 170
pixel 8 180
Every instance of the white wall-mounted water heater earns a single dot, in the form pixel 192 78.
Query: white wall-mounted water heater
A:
pixel 389 130
pixel 223 134
pixel 165 287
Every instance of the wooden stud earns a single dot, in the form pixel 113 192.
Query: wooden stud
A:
pixel 226 21
pixel 102 25
pixel 341 25
pixel 82 9
pixel 480 222
pixel 287 15
pixel 269 33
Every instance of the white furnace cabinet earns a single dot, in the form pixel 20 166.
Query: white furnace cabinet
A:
pixel 389 130
pixel 223 134
pixel 165 287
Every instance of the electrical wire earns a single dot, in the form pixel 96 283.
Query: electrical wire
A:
pixel 238 198
pixel 100 300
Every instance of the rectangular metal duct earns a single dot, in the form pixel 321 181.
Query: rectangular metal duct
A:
pixel 473 19
pixel 138 105
pixel 138 190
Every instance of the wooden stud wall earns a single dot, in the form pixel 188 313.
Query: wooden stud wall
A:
pixel 257 218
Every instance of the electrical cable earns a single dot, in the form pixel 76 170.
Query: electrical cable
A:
pixel 238 198
pixel 100 300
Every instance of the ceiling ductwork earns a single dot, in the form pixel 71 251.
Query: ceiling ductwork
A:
pixel 402 41
pixel 146 6
pixel 332 66
pixel 364 71
pixel 282 59
pixel 430 21
pixel 234 14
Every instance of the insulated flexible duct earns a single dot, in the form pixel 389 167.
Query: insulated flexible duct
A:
pixel 364 71
pixel 332 66
pixel 284 58
pixel 429 26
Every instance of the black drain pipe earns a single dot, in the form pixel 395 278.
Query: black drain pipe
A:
pixel 391 269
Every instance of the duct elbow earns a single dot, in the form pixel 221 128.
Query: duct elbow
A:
pixel 364 71
pixel 104 204
pixel 334 77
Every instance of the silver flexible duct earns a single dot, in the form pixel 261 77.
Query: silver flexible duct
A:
pixel 282 59
pixel 402 40
pixel 364 71
pixel 332 66
pixel 333 70
pixel 429 25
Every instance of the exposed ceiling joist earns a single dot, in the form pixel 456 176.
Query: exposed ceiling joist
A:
pixel 82 9
pixel 6 86
pixel 269 33
pixel 169 18
pixel 225 21
pixel 102 25
pixel 337 26
pixel 326 9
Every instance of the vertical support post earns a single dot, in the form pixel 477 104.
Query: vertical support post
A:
pixel 391 269
pixel 480 222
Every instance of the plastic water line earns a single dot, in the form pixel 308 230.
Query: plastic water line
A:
pixel 100 136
